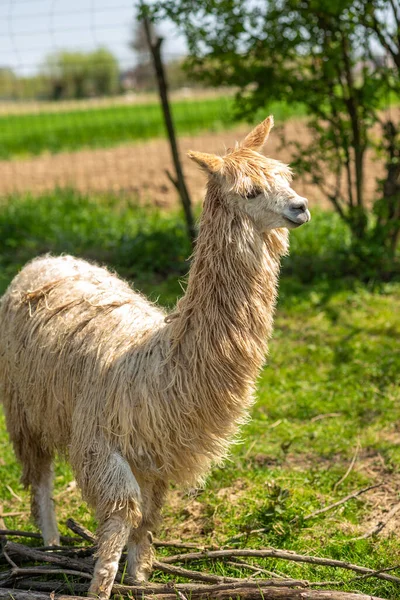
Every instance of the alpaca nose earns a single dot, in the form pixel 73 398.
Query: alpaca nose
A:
pixel 297 211
pixel 300 204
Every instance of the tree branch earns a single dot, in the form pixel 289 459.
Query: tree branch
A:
pixel 278 554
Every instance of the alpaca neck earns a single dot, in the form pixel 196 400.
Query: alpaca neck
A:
pixel 220 330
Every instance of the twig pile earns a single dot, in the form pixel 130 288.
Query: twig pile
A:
pixel 28 573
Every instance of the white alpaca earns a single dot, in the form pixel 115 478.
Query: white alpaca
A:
pixel 133 397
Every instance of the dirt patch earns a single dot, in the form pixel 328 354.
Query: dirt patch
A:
pixel 140 169
pixel 190 516
pixel 186 516
pixel 379 501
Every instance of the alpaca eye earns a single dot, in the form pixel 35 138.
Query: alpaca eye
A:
pixel 253 194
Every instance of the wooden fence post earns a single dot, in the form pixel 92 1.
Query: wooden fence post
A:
pixel 179 181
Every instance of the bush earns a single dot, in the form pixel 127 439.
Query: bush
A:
pixel 137 241
pixel 144 243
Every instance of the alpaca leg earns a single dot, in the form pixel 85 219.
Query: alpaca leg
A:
pixel 37 469
pixel 109 484
pixel 140 549
pixel 112 536
pixel 43 506
pixel 140 554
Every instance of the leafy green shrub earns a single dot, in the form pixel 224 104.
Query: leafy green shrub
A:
pixel 144 243
pixel 135 240
pixel 326 250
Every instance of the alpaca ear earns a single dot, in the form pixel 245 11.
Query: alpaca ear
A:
pixel 256 139
pixel 209 162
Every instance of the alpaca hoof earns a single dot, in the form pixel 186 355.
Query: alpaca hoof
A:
pixel 129 580
pixel 53 540
pixel 141 577
pixel 98 595
pixel 96 592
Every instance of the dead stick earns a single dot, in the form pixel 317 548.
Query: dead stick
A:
pixel 359 577
pixel 34 535
pixel 12 594
pixel 80 551
pixel 176 544
pixel 272 594
pixel 241 563
pixel 380 525
pixel 248 593
pixel 37 555
pixel 55 585
pixel 196 575
pixel 9 560
pixel 22 572
pixel 350 467
pixel 80 530
pixel 195 588
pixel 325 416
pixel 172 179
pixel 89 537
pixel 342 501
pixel 274 553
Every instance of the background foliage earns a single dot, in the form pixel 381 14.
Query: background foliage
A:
pixel 341 61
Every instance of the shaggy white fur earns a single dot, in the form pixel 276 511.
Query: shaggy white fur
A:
pixel 133 397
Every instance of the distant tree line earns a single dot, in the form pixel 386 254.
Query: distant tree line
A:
pixel 68 75
pixel 81 75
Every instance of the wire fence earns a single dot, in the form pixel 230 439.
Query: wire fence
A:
pixel 79 106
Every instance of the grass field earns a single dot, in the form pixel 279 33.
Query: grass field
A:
pixel 329 393
pixel 27 134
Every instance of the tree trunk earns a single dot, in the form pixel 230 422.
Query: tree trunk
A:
pixel 155 47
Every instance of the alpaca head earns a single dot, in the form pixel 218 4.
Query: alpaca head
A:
pixel 257 185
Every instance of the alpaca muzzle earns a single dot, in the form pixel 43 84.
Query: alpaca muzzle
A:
pixel 297 212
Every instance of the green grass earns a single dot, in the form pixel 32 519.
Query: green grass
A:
pixel 330 386
pixel 27 134
pixel 101 127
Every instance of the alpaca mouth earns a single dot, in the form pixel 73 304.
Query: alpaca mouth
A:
pixel 292 224
pixel 298 219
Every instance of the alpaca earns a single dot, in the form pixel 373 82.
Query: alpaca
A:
pixel 134 397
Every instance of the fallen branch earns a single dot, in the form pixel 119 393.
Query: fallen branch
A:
pixel 350 468
pixel 241 563
pixel 253 593
pixel 196 575
pixel 12 594
pixel 325 416
pixel 23 572
pixel 320 511
pixel 274 553
pixel 176 544
pixel 359 577
pixel 89 537
pixel 48 557
pixel 54 585
pixel 20 582
pixel 80 530
pixel 270 589
pixel 36 536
